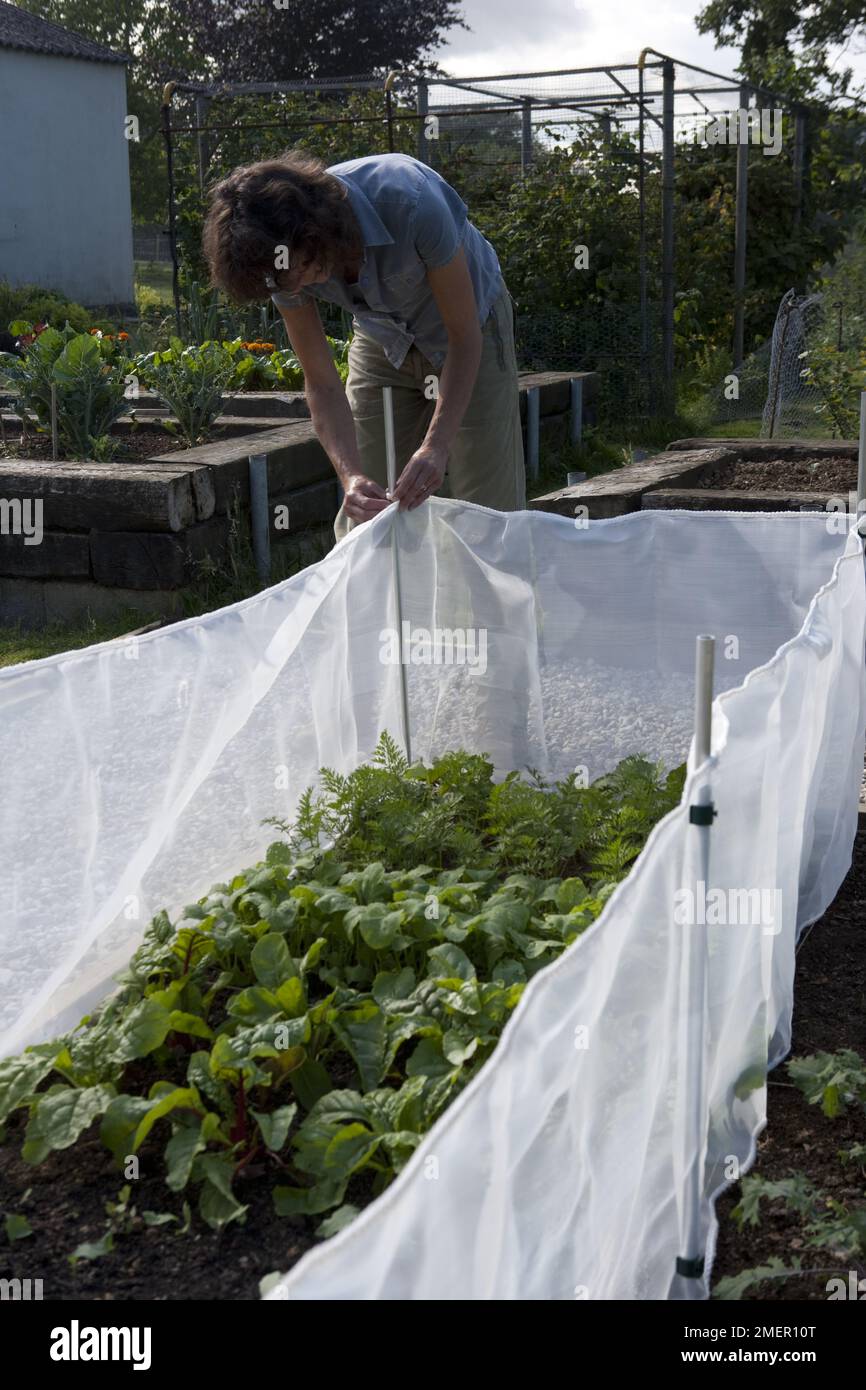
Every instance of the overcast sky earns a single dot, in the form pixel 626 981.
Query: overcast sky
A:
pixel 534 35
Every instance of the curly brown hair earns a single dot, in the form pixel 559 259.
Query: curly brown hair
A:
pixel 291 201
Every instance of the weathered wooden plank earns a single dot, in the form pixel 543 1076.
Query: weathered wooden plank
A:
pixel 774 448
pixel 59 554
pixel 555 391
pixel 148 560
pixel 701 499
pixel 274 404
pixel 295 459
pixel 303 507
pixel 620 491
pixel 110 496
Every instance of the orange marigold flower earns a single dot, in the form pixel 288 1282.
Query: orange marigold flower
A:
pixel 123 336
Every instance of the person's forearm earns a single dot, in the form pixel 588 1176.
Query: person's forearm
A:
pixel 456 384
pixel 335 428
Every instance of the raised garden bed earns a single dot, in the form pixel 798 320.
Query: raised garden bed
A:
pixel 736 475
pixel 130 534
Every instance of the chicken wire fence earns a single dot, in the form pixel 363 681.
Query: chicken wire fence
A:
pixel 139 772
pixel 797 384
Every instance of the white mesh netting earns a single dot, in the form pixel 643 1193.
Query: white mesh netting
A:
pixel 139 772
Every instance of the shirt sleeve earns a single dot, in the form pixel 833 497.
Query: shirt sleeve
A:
pixel 284 300
pixel 438 222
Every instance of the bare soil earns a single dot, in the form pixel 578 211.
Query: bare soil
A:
pixel 829 1014
pixel 134 446
pixel 830 475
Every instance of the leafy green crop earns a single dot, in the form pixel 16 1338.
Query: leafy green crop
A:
pixel 313 1017
pixel 89 387
pixel 191 382
pixel 835 1081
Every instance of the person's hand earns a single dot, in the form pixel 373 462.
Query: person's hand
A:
pixel 362 498
pixel 421 477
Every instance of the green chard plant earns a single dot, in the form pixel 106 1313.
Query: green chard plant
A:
pixel 310 1019
pixel 88 376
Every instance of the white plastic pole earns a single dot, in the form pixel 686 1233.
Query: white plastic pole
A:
pixel 391 463
pixel 693 1096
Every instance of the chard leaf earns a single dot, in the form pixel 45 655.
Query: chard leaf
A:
pixel 449 961
pixel 275 1126
pixel 309 1201
pixel 192 1024
pixel 144 1029
pixel 181 1098
pixel 362 1032
pixel 310 1082
pixel 458 1047
pixel 61 1116
pixel 271 961
pixel 217 1204
pixel 19 1077
pixel 338 1219
pixel 93 1249
pixel 570 893
pixel 392 990
pixel 349 1150
pixel 254 1004
pixel 180 1152
pixel 17 1227
pixel 428 1059
pixel 120 1122
pixel 292 998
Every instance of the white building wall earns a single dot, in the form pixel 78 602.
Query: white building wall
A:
pixel 65 215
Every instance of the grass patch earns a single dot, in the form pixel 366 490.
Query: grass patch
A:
pixel 18 645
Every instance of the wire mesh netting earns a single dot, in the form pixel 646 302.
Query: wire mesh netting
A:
pixel 800 383
pixel 605 139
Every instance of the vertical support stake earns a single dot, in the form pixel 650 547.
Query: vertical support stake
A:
pixel 668 231
pixel 259 515
pixel 422 102
pixel 575 432
pixel 391 462
pixel 740 214
pixel 54 449
pixel 533 409
pixel 690 1265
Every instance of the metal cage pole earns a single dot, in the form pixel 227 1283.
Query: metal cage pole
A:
pixel 668 232
pixel 391 461
pixel 740 216
pixel 389 108
pixel 167 93
pixel 690 1264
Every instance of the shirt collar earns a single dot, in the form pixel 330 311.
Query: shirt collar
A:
pixel 373 229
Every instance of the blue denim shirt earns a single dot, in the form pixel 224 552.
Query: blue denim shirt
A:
pixel 411 221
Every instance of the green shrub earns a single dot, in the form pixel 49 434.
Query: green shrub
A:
pixel 42 306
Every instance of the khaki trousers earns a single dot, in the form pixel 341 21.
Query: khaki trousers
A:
pixel 485 462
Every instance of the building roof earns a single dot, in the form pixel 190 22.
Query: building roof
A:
pixel 23 30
